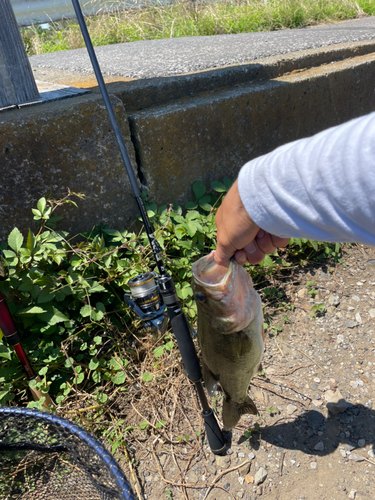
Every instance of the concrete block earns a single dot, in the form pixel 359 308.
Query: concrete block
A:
pixel 46 149
pixel 213 134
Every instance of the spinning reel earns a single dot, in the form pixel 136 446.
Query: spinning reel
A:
pixel 146 301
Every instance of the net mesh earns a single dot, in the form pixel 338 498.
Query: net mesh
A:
pixel 45 457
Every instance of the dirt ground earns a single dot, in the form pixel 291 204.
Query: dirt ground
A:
pixel 314 438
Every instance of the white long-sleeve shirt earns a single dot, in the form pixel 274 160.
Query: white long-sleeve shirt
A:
pixel 321 188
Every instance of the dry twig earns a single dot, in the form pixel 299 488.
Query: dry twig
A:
pixel 221 474
pixel 193 485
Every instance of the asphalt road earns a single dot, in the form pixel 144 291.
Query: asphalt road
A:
pixel 175 56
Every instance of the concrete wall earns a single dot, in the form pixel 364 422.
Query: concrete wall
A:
pixel 178 130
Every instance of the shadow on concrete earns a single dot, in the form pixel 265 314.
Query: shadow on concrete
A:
pixel 312 427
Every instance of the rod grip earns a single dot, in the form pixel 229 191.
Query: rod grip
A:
pixel 181 329
pixel 213 432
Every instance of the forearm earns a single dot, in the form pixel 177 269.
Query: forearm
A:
pixel 321 188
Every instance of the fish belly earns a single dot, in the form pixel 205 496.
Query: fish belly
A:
pixel 232 360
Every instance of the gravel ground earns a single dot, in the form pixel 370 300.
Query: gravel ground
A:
pixel 315 435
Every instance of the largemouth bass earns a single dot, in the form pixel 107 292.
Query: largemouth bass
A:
pixel 230 333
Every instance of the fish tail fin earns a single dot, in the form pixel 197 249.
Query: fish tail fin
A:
pixel 209 379
pixel 232 411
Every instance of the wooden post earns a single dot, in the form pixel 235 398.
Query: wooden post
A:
pixel 17 84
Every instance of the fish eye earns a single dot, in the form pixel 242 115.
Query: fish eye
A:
pixel 200 297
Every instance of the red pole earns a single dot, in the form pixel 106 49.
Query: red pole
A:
pixel 11 334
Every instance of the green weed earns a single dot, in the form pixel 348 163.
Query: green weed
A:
pixel 66 297
pixel 187 18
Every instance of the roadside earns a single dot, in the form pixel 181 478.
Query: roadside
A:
pixel 178 56
pixel 315 435
pixel 155 20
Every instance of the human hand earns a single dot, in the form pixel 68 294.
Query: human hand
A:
pixel 238 235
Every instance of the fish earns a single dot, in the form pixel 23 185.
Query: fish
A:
pixel 230 333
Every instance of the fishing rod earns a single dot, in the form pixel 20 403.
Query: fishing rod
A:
pixel 9 331
pixel 145 291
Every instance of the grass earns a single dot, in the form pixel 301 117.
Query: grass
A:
pixel 188 18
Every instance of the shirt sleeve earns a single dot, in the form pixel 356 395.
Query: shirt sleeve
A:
pixel 321 188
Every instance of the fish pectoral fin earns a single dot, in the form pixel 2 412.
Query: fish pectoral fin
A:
pixel 209 379
pixel 232 412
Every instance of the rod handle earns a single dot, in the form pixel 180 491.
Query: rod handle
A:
pixel 181 330
pixel 213 432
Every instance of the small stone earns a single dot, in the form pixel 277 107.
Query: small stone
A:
pixel 251 455
pixel 356 298
pixel 355 457
pixel 211 469
pixel 352 494
pixel 361 443
pixel 358 318
pixel 329 395
pixel 319 446
pixel 313 465
pixel 317 380
pixel 290 409
pixel 336 403
pixel 241 480
pixel 241 455
pixel 349 447
pixel 222 462
pixel 334 300
pixel 317 402
pixel 260 476
pixel 340 338
pixel 368 404
pixel 192 477
pixel 350 323
pixel 302 293
pixel 249 479
pixel 244 470
pixel 227 486
pixel 371 453
pixel 372 313
pixel 353 384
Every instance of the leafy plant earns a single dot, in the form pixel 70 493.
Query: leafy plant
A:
pixel 318 309
pixel 310 288
pixel 66 294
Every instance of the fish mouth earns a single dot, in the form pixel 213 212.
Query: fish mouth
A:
pixel 205 267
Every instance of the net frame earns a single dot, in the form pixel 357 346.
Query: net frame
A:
pixel 10 443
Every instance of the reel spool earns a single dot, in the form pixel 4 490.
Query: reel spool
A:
pixel 146 301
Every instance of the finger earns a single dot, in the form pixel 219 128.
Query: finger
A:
pixel 264 242
pixel 223 253
pixel 279 242
pixel 253 253
pixel 241 257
